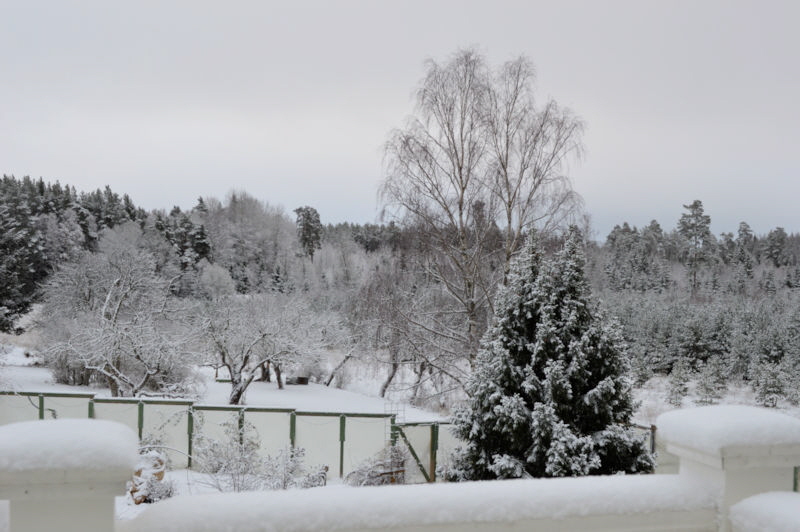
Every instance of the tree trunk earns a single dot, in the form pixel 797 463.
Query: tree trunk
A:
pixel 113 386
pixel 337 368
pixel 264 369
pixel 395 356
pixel 389 378
pixel 418 383
pixel 278 378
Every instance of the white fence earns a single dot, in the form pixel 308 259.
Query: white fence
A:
pixel 339 440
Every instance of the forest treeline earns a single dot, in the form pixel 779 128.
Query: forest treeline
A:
pixel 131 298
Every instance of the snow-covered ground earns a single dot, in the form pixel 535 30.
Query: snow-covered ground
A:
pixel 19 372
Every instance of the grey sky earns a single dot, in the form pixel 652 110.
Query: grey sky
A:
pixel 292 101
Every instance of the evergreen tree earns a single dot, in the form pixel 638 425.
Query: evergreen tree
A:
pixel 768 384
pixel 711 381
pixel 548 396
pixel 695 227
pixel 309 230
pixel 678 382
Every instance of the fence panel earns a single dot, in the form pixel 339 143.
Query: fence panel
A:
pixel 319 436
pixel 210 421
pixel 66 406
pixel 417 437
pixel 273 429
pixel 365 437
pixel 447 444
pixel 15 408
pixel 125 411
pixel 167 424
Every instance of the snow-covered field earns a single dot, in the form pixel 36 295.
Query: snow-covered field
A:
pixel 19 372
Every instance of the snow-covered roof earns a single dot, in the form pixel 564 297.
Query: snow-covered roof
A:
pixel 387 506
pixel 776 511
pixel 712 429
pixel 67 445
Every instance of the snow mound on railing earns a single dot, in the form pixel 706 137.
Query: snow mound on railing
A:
pixel 714 428
pixel 326 509
pixel 776 511
pixel 67 444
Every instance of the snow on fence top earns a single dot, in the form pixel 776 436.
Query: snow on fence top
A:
pixel 420 505
pixel 776 511
pixel 67 445
pixel 712 429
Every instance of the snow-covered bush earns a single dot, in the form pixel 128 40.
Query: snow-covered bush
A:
pixel 148 484
pixel 234 463
pixel 387 467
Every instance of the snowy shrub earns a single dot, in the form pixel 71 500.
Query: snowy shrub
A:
pixel 387 467
pixel 148 484
pixel 234 463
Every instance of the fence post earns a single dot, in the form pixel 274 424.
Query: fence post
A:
pixel 91 409
pixel 190 431
pixel 41 406
pixel 434 450
pixel 652 439
pixel 241 426
pixel 140 420
pixel 292 429
pixel 342 423
pixel 393 431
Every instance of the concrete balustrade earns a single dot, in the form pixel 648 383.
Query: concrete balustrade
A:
pixel 736 466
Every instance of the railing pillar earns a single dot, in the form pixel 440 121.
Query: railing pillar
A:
pixel 64 474
pixel 735 451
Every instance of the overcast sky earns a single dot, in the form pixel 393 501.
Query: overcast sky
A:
pixel 292 101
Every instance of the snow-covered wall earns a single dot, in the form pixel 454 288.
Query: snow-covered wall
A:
pixel 600 503
pixel 722 462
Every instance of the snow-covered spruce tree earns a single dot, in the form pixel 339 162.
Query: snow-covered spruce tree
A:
pixel 678 386
pixel 548 397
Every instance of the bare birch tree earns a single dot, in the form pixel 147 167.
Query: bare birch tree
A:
pixel 476 167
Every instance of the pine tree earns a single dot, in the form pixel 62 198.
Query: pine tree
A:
pixel 768 384
pixel 548 396
pixel 711 381
pixel 678 382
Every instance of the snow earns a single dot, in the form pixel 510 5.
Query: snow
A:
pixel 714 428
pixel 305 398
pixel 776 511
pixel 67 444
pixel 14 355
pixel 384 507
pixel 312 398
